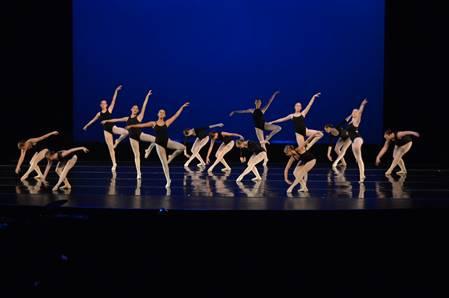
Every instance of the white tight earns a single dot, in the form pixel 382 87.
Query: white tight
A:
pixel 34 164
pixel 252 163
pixel 300 174
pixel 63 172
pixel 162 153
pixel 220 154
pixel 398 153
pixel 357 150
pixel 136 148
pixel 119 131
pixel 341 151
pixel 196 148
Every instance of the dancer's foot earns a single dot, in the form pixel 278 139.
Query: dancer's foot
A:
pixel 210 170
pixel 168 183
pixel 226 170
pixel 114 168
pixel 23 178
pixel 289 190
pixel 239 179
pixel 388 173
pixel 265 162
pixel 55 188
pixel 201 165
pixel 139 175
pixel 303 189
pixel 257 178
pixel 401 172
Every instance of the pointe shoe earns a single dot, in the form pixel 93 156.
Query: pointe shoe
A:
pixel 65 187
pixel 256 179
pixel 114 168
pixel 168 184
pixel 139 176
pixel 149 149
pixel 226 170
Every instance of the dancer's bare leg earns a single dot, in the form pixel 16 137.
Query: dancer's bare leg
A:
pixel 136 150
pixel 34 165
pixel 338 149
pixel 221 152
pixel 62 177
pixel 343 150
pixel 148 139
pixel 109 139
pixel 300 176
pixel 162 153
pixel 261 138
pixel 357 150
pixel 119 131
pixel 196 149
pixel 58 171
pixel 178 147
pixel 299 139
pixel 400 152
pixel 310 132
pixel 252 163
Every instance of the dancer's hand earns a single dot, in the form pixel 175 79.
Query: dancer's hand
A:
pixel 315 96
pixel 329 157
pixel 119 87
pixel 150 92
pixel 365 101
pixel 207 161
pixel 241 137
pixel 17 171
pixel 242 159
pixel 85 150
pixel 220 125
pixel 85 128
pixel 55 133
pixel 377 162
pixel 185 105
pixel 231 114
pixel 288 182
pixel 103 122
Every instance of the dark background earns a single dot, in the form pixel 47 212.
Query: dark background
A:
pixel 38 69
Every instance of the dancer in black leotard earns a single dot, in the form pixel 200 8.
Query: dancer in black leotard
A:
pixel 202 137
pixel 37 149
pixel 340 136
pixel 227 143
pixel 356 138
pixel 109 128
pixel 259 122
pixel 135 134
pixel 298 119
pixel 306 161
pixel 402 141
pixel 257 154
pixel 162 141
pixel 66 161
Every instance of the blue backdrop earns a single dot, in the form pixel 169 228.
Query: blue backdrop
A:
pixel 221 55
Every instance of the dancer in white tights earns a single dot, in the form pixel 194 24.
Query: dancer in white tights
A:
pixel 202 137
pixel 402 141
pixel 257 155
pixel 135 134
pixel 35 147
pixel 259 122
pixel 162 140
pixel 109 129
pixel 227 143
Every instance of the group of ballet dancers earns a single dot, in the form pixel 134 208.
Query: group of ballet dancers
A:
pixel 344 134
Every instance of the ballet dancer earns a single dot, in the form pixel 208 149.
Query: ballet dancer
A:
pixel 162 140
pixel 306 162
pixel 298 119
pixel 259 122
pixel 135 133
pixel 227 143
pixel 402 141
pixel 38 150
pixel 202 137
pixel 258 154
pixel 66 161
pixel 109 129
pixel 338 135
pixel 356 139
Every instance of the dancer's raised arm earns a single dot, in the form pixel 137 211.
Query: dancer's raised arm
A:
pixel 123 119
pixel 41 138
pixel 276 93
pixel 114 98
pixel 70 151
pixel 95 118
pixel 362 107
pixel 402 134
pixel 229 134
pixel 309 105
pixel 247 111
pixel 176 115
pixel 144 106
pixel 216 125
pixel 284 119
pixel 382 152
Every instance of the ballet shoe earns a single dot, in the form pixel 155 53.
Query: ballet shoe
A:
pixel 401 172
pixel 209 170
pixel 256 179
pixel 226 170
pixel 303 190
pixel 168 184
pixel 139 176
pixel 289 190
pixel 23 178
pixel 387 173
pixel 200 165
pixel 55 189
pixel 114 168
pixel 148 150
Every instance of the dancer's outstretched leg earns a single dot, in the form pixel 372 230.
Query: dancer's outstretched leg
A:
pixel 252 163
pixel 318 135
pixel 68 166
pixel 342 154
pixel 178 147
pixel 221 152
pixel 262 141
pixel 34 165
pixel 274 129
pixel 400 152
pixel 119 131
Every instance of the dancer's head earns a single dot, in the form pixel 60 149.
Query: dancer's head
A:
pixel 289 150
pixel 161 114
pixel 328 128
pixel 188 132
pixel 241 144
pixel 298 107
pixel 103 104
pixel 258 103
pixel 389 134
pixel 134 110
pixel 213 135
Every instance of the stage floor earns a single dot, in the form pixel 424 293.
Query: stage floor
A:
pixel 93 186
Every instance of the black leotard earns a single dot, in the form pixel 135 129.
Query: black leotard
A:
pixel 201 132
pixel 306 157
pixel 253 148
pixel 134 133
pixel 299 125
pixel 64 159
pixel 259 119
pixel 353 132
pixel 402 141
pixel 225 139
pixel 342 133
pixel 161 135
pixel 106 116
